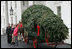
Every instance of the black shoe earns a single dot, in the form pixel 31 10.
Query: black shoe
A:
pixel 8 42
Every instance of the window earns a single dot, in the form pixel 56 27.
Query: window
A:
pixel 59 11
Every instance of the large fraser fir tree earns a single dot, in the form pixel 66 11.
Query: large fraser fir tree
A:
pixel 47 20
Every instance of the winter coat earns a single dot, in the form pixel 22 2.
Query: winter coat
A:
pixel 15 33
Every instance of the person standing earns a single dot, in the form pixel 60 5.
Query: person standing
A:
pixel 23 32
pixel 12 29
pixel 15 33
pixel 8 30
pixel 26 36
pixel 20 27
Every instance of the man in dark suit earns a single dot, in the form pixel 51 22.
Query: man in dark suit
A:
pixel 8 31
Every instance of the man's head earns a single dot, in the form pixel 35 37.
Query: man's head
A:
pixel 11 24
pixel 20 21
pixel 8 24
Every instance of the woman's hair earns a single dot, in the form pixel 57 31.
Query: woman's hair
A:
pixel 16 25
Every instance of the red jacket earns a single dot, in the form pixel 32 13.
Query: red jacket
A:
pixel 15 33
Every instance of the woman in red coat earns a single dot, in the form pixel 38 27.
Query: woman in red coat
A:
pixel 15 33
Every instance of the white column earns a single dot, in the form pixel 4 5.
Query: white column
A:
pixel 15 12
pixel 6 14
pixel 15 17
pixel 2 17
pixel 18 11
pixel 9 7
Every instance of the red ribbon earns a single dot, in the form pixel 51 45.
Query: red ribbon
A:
pixel 38 27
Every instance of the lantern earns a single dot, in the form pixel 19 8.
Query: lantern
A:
pixel 11 11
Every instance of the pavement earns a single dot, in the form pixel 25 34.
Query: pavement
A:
pixel 22 44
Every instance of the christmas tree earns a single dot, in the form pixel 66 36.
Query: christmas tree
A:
pixel 47 20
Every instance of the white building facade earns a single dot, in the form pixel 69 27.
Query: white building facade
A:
pixel 61 8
